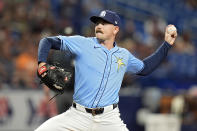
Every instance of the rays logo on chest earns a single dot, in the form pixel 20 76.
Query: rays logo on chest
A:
pixel 119 62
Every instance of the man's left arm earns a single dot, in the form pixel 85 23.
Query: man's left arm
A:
pixel 154 60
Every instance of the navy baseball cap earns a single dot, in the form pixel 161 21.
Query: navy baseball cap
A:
pixel 107 15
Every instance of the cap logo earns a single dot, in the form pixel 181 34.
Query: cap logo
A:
pixel 102 14
pixel 116 22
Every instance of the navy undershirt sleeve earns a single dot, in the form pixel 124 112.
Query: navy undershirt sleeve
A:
pixel 154 60
pixel 45 45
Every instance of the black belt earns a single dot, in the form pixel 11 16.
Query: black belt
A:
pixel 94 111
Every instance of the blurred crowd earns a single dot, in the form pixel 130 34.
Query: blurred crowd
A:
pixel 181 104
pixel 24 22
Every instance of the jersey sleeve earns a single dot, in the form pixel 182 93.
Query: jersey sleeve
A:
pixel 72 43
pixel 134 64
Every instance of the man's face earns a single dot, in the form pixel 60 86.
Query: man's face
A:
pixel 105 30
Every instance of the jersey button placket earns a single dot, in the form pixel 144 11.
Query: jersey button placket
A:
pixel 104 82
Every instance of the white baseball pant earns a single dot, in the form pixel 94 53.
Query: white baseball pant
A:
pixel 77 119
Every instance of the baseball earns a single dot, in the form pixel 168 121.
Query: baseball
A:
pixel 171 29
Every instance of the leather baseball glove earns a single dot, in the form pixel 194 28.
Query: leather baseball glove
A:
pixel 56 78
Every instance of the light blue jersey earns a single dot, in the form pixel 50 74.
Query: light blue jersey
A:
pixel 98 71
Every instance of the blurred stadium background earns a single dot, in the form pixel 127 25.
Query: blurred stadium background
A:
pixel 166 100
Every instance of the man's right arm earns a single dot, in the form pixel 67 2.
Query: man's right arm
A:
pixel 44 47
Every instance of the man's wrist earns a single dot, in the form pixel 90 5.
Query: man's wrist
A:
pixel 167 44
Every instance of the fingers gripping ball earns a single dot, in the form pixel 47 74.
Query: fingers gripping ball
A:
pixel 56 78
pixel 171 30
pixel 170 34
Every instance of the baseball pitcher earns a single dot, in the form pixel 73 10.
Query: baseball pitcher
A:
pixel 99 69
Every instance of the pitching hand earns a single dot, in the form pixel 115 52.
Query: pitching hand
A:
pixel 170 34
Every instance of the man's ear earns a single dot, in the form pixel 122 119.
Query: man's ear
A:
pixel 116 30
